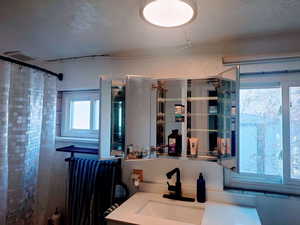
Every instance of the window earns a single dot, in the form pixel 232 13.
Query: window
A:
pixel 261 131
pixel 269 134
pixel 80 116
pixel 295 131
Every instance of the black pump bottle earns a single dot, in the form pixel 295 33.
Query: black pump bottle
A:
pixel 201 192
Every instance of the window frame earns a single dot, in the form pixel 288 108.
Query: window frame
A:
pixel 67 98
pixel 286 121
pixel 268 183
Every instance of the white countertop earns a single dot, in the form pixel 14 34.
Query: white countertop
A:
pixel 226 214
pixel 214 213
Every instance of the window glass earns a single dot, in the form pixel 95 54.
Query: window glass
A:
pixel 295 132
pixel 81 115
pixel 96 115
pixel 261 131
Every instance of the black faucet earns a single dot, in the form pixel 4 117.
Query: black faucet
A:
pixel 175 190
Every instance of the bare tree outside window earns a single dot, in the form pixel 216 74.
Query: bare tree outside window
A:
pixel 295 132
pixel 261 131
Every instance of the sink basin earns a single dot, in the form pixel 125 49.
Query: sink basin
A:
pixel 152 209
pixel 174 212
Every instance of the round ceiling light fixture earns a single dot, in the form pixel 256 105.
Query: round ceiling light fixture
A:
pixel 168 13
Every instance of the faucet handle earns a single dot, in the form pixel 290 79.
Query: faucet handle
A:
pixel 168 184
pixel 171 187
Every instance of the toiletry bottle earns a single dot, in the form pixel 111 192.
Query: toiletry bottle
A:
pixel 194 146
pixel 129 149
pixel 179 145
pixel 201 192
pixel 188 147
pixel 179 113
pixel 56 218
pixel 174 143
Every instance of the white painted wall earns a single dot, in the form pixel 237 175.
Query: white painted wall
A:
pixel 273 210
pixel 84 74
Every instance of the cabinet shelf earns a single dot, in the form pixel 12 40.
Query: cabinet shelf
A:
pixel 202 130
pixel 199 157
pixel 196 114
pixel 189 99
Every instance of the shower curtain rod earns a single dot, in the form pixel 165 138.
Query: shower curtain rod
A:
pixel 58 75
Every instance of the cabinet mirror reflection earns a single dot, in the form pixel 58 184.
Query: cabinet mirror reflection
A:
pixel 196 118
pixel 117 117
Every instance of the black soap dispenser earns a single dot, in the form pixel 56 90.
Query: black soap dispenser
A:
pixel 201 192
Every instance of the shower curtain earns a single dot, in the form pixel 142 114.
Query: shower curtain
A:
pixel 27 138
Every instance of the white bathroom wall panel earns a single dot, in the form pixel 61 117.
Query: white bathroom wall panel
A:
pixel 155 172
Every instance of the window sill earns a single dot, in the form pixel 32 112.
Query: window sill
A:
pixel 267 185
pixel 255 193
pixel 77 140
pixel 72 149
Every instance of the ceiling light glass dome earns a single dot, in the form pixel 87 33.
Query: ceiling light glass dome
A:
pixel 168 13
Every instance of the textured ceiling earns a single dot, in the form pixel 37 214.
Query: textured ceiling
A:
pixel 48 29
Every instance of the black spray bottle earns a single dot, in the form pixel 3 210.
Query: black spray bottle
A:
pixel 201 192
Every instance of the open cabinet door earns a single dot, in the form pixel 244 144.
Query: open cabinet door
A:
pixel 112 118
pixel 125 116
pixel 139 113
pixel 105 120
pixel 228 134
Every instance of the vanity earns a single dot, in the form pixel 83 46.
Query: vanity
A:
pixel 152 209
pixel 190 119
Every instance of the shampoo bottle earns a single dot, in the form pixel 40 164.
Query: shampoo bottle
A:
pixel 174 143
pixel 201 192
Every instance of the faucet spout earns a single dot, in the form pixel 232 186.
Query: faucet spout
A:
pixel 172 172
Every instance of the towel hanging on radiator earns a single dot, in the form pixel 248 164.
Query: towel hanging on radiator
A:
pixel 91 189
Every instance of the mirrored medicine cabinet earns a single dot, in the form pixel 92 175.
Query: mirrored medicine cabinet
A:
pixel 187 119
